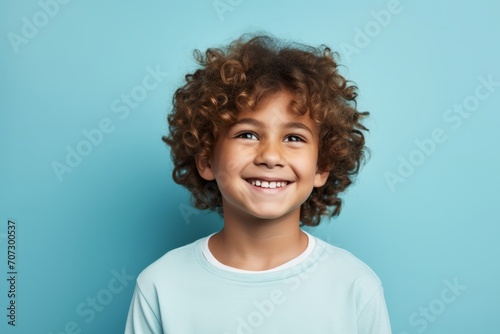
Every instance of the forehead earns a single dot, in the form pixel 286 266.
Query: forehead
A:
pixel 275 110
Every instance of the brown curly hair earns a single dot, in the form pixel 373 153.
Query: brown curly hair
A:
pixel 238 77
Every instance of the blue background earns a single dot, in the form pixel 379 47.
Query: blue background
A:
pixel 118 210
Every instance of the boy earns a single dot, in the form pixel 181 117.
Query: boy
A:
pixel 268 134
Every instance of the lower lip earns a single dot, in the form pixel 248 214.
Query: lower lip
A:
pixel 267 190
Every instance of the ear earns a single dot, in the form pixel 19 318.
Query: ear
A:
pixel 204 168
pixel 320 178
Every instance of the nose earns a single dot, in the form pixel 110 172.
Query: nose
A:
pixel 269 154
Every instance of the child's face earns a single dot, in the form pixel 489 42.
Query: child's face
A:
pixel 265 165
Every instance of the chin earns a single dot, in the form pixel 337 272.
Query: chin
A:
pixel 269 215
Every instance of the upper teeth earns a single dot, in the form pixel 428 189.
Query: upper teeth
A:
pixel 267 184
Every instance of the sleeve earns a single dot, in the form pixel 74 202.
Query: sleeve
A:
pixel 374 318
pixel 141 317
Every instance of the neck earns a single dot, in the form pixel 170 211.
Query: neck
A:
pixel 252 243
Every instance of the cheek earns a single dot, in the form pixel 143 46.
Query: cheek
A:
pixel 306 168
pixel 227 167
pixel 233 159
pixel 308 161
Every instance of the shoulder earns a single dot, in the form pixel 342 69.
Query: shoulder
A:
pixel 176 262
pixel 345 267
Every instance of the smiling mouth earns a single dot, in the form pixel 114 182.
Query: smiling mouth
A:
pixel 267 184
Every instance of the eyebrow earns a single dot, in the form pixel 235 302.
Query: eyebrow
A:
pixel 257 123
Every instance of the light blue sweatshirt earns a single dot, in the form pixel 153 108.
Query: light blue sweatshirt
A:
pixel 329 291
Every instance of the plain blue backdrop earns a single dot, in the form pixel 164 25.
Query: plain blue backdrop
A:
pixel 92 213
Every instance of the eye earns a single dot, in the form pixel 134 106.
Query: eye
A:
pixel 246 135
pixel 294 138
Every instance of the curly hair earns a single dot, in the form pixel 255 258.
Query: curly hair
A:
pixel 238 77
